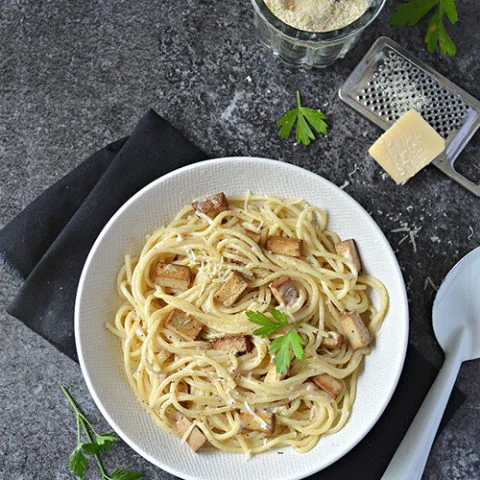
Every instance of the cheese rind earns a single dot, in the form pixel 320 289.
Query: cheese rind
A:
pixel 407 146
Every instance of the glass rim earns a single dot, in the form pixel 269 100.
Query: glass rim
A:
pixel 349 30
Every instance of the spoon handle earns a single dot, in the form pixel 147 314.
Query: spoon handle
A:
pixel 412 454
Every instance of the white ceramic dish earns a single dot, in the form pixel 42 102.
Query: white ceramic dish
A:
pixel 100 352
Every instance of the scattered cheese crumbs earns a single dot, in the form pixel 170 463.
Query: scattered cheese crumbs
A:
pixel 354 171
pixel 435 239
pixel 471 232
pixel 407 147
pixel 249 79
pixel 429 282
pixel 411 234
pixel 345 184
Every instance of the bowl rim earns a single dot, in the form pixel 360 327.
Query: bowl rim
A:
pixel 317 38
pixel 82 361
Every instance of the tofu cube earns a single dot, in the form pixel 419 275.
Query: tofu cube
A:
pixel 355 330
pixel 184 325
pixel 284 290
pixel 182 387
pixel 260 421
pixel 273 376
pixel 333 341
pixel 253 235
pixel 236 344
pixel 211 206
pixel 348 250
pixel 329 384
pixel 196 439
pixel 173 276
pixel 231 290
pixel 293 247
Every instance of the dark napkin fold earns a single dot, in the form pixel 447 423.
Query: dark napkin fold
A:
pixel 49 241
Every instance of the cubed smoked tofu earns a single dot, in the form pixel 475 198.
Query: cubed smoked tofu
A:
pixel 253 235
pixel 231 290
pixel 211 206
pixel 348 250
pixel 284 290
pixel 173 276
pixel 293 247
pixel 329 384
pixel 184 325
pixel 196 439
pixel 273 376
pixel 236 344
pixel 355 330
pixel 333 341
pixel 260 421
pixel 182 387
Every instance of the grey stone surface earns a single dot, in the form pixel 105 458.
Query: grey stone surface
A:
pixel 76 75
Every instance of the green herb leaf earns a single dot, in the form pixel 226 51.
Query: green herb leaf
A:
pixel 268 325
pixel 106 438
pixel 316 119
pixel 95 448
pixel 286 123
pixel 279 316
pixel 102 443
pixel 449 7
pixel 78 462
pixel 410 12
pixel 304 119
pixel 282 347
pixel 90 448
pixel 124 474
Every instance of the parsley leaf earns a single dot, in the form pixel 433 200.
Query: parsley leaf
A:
pixel 304 119
pixel 78 462
pixel 410 12
pixel 281 348
pixel 268 325
pixel 284 346
pixel 103 442
pixel 124 474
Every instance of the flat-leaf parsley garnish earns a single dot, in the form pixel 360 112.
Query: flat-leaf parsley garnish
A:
pixel 284 346
pixel 304 119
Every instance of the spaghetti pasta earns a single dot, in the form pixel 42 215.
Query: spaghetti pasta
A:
pixel 180 374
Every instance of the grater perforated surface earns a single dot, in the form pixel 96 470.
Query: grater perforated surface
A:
pixel 389 81
pixel 398 85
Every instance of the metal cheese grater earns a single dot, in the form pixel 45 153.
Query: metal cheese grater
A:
pixel 389 81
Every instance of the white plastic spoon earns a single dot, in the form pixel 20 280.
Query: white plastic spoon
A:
pixel 456 323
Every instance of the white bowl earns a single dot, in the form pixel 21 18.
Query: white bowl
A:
pixel 100 352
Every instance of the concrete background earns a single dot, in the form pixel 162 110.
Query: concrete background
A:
pixel 75 75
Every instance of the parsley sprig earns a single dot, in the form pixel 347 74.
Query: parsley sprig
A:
pixel 282 347
pixel 97 443
pixel 410 12
pixel 304 119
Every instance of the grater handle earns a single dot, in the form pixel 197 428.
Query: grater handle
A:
pixel 443 165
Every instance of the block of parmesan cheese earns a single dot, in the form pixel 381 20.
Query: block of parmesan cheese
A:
pixel 407 146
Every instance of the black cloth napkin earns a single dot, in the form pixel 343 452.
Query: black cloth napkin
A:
pixel 49 241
